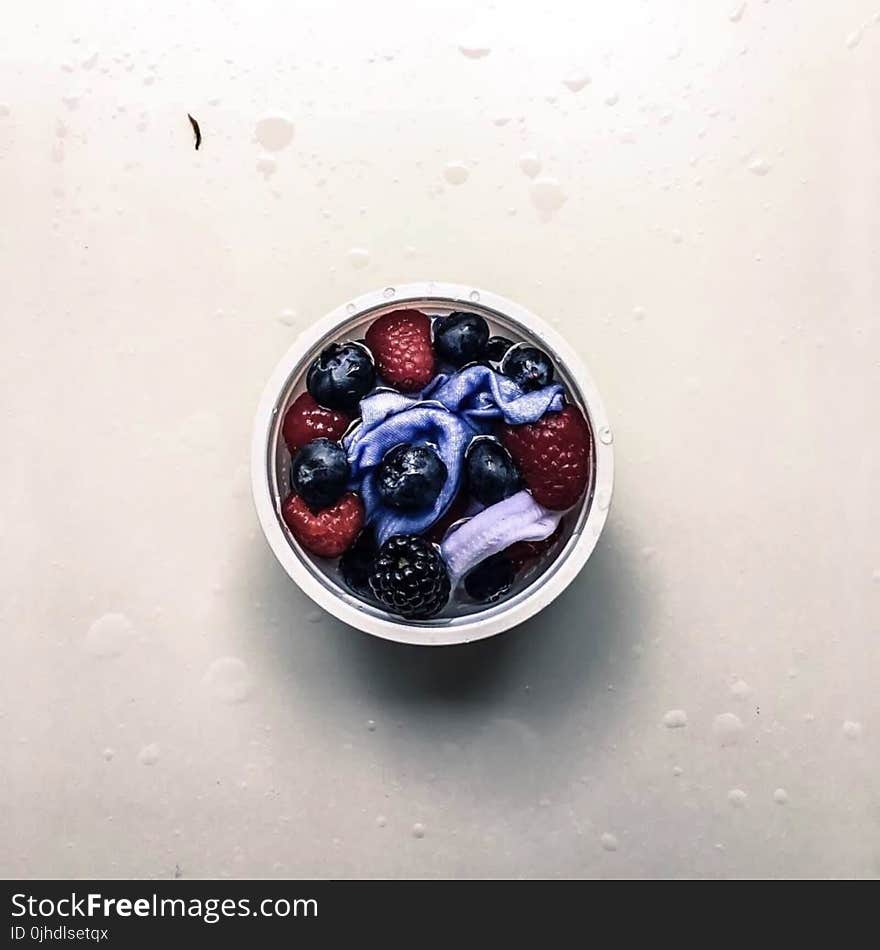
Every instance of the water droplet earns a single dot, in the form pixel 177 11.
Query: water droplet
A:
pixel 267 166
pixel 638 313
pixel 675 719
pixel 854 38
pixel 612 99
pixel 228 680
pixel 274 132
pixel 677 770
pixel 110 635
pixel 418 830
pixel 474 296
pixel 530 164
pixel 740 689
pixel 576 81
pixel 609 841
pixel 388 293
pixel 4 110
pixel 456 173
pixel 359 257
pixel 677 236
pixel 371 725
pixel 759 166
pixel 70 101
pixel 728 729
pixel 603 500
pixel 149 755
pixel 780 796
pixel 474 47
pixel 315 616
pixel 737 797
pixel 736 14
pixel 381 821
pixel 350 308
pixel 287 317
pixel 852 730
pixel 875 577
pixel 501 120
pixel 606 436
pixel 89 61
pixel 108 754
pixel 547 196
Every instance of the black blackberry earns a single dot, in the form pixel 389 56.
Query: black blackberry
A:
pixel 409 577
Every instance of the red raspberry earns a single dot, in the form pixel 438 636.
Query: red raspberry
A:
pixel 554 456
pixel 328 532
pixel 306 421
pixel 524 552
pixel 401 345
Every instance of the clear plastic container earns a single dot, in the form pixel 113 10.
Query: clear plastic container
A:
pixel 462 621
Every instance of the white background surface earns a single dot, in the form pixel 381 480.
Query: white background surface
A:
pixel 715 262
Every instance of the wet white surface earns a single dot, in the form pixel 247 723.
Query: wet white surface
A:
pixel 690 194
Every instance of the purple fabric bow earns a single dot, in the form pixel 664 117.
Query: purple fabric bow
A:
pixel 447 414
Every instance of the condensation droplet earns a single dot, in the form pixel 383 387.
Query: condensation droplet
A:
pixel 474 296
pixel 612 99
pixel 149 755
pixel 530 164
pixel 267 166
pixel 675 719
pixel 315 616
pixel 4 110
pixel 359 257
pixel 108 754
pixel 638 313
pixel 474 47
pixel 350 308
pixel 854 38
pixel 228 680
pixel 576 81
pixel 381 821
pixel 759 166
pixel 418 830
pixel 740 689
pixel 603 500
pixel 388 293
pixel 780 796
pixel 287 317
pixel 609 841
pixel 606 436
pixel 737 797
pixel 547 196
pixel 274 132
pixel 728 729
pixel 736 14
pixel 110 635
pixel 851 729
pixel 456 173
pixel 371 725
pixel 677 770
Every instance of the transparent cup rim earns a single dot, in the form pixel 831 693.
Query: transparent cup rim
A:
pixel 477 626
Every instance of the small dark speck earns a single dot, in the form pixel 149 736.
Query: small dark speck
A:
pixel 196 130
pixel 178 874
pixel 757 710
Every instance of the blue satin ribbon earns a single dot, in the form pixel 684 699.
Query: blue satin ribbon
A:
pixel 447 414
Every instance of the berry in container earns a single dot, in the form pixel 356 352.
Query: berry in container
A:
pixel 432 464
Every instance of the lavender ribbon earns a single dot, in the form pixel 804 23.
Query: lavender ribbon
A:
pixel 447 414
pixel 518 518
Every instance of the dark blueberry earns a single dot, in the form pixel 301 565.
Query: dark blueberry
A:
pixel 409 577
pixel 341 376
pixel 319 473
pixel 410 477
pixel 461 337
pixel 497 347
pixel 490 579
pixel 356 565
pixel 528 366
pixel 491 473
